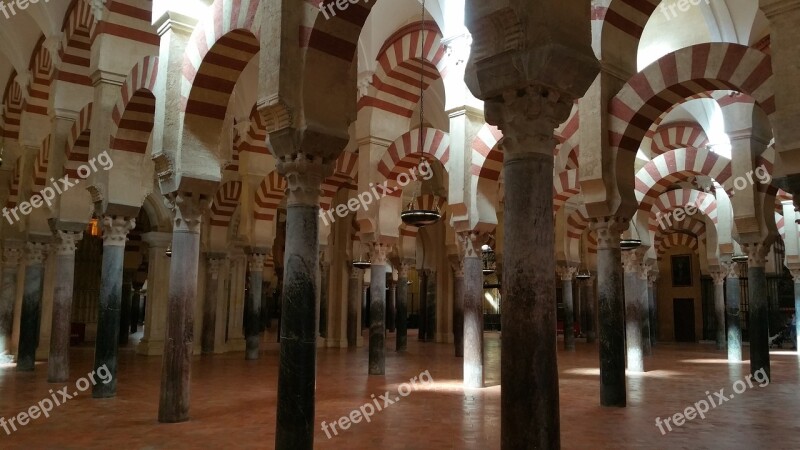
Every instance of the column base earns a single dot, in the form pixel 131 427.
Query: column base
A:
pixel 150 348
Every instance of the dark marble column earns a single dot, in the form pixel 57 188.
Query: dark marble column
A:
pixel 12 255
pixel 252 307
pixel 611 317
pixel 402 307
pixel 187 213
pixel 364 309
pixel 652 309
pixel 136 307
pixel 31 313
pixel 458 305
pixel 796 276
pixel 324 270
pixel 591 310
pixel 391 299
pixel 733 295
pixel 644 305
pixel 297 373
pixel 470 243
pixel 718 275
pixel 423 304
pixel 213 263
pixel 353 303
pixel 115 232
pixel 758 307
pixel 567 274
pixel 633 312
pixel 377 309
pixel 430 306
pixel 58 359
pixel 125 308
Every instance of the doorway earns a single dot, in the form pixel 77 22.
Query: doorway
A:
pixel 683 319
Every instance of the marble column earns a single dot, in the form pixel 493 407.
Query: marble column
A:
pixel 652 309
pixel 364 309
pixel 61 328
pixel 213 263
pixel 591 310
pixel 796 277
pixel 30 317
pixel 324 270
pixel 115 232
pixel 611 314
pixel 187 213
pixel 125 308
pixel 297 373
pixel 8 290
pixel 353 304
pixel 458 306
pixel 643 295
pixel 567 274
pixel 252 310
pixel 470 243
pixel 718 275
pixel 377 309
pixel 633 312
pixel 430 306
pixel 422 318
pixel 733 295
pixel 391 300
pixel 402 307
pixel 758 307
pixel 136 307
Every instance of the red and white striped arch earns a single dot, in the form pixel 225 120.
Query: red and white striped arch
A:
pixel 413 53
pixel 678 135
pixel 677 165
pixel 12 108
pixel 269 196
pixel 134 113
pixel 678 75
pixel 40 165
pixel 679 199
pixel 336 36
pixel 76 46
pixel 220 47
pixel 487 159
pixel 131 20
pixel 672 240
pixel 42 71
pixel 255 139
pixel 345 176
pixel 565 186
pixel 404 153
pixel 78 142
pixel 689 224
pixel 225 203
pixel 577 228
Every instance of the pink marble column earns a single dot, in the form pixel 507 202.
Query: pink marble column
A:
pixel 64 251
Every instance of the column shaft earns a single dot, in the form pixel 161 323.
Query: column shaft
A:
pixel 733 291
pixel 719 306
pixel 644 305
pixel 473 322
pixel 58 359
pixel 252 307
pixel 458 308
pixel 430 306
pixel 591 311
pixel 210 304
pixel 423 304
pixel 759 319
pixel 8 291
pixel 633 319
pixel 377 310
pixel 31 307
pixel 354 298
pixel 402 308
pixel 391 300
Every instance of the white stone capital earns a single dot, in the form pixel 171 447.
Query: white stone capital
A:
pixel 608 231
pixel 115 229
pixel 756 254
pixel 304 178
pixel 187 210
pixel 378 253
pixel 35 253
pixel 12 256
pixel 66 242
pixel 566 273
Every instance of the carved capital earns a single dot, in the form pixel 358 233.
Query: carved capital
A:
pixel 378 253
pixel 630 262
pixel 731 269
pixel 304 176
pixel 471 242
pixel 756 254
pixel 718 275
pixel 214 262
pixel 608 231
pixel 644 269
pixel 255 262
pixel 528 118
pixel 35 253
pixel 187 210
pixel 566 273
pixel 402 270
pixel 12 257
pixel 66 242
pixel 115 229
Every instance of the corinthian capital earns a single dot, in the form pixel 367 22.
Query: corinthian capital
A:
pixel 756 254
pixel 12 256
pixel 608 231
pixel 471 243
pixel 115 229
pixel 304 176
pixel 566 273
pixel 255 262
pixel 187 209
pixel 35 253
pixel 66 242
pixel 378 253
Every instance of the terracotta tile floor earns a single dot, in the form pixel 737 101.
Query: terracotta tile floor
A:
pixel 233 403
